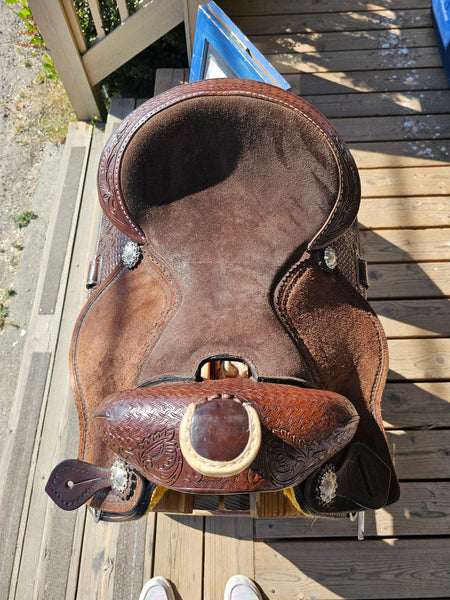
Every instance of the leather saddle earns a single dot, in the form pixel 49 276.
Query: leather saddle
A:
pixel 227 346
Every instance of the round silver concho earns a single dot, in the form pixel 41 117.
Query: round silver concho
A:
pixel 328 259
pixel 120 476
pixel 131 254
pixel 326 486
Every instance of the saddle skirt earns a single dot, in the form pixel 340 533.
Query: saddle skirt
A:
pixel 227 346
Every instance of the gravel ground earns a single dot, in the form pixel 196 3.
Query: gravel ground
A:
pixel 33 112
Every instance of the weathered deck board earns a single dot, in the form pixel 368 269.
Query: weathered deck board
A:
pixel 228 551
pixel 345 60
pixel 179 553
pixel 369 21
pixel 423 510
pixel 422 211
pixel 406 245
pixel 27 507
pixel 378 104
pixel 420 404
pixel 354 82
pixel 352 41
pixel 409 280
pixel 414 318
pixel 375 569
pixel 288 7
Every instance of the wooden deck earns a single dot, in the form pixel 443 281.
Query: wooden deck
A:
pixel 373 68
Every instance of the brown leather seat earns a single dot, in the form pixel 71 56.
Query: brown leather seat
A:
pixel 229 234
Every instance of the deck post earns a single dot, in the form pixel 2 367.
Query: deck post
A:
pixel 56 31
pixel 190 9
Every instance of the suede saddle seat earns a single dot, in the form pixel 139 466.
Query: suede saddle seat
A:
pixel 229 234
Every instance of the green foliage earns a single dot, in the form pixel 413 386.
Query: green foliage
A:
pixel 4 308
pixel 24 218
pixel 34 38
pixel 109 13
pixel 49 68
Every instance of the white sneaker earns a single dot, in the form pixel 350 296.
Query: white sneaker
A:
pixel 157 588
pixel 240 587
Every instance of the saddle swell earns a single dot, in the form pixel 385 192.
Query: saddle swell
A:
pixel 241 201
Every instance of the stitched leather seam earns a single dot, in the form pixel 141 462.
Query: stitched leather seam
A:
pixel 378 379
pixel 331 139
pixel 169 304
pixel 286 287
pixel 74 350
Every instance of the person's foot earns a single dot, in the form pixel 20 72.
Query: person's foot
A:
pixel 157 588
pixel 240 587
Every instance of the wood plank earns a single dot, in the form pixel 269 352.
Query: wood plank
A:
pixel 345 60
pixel 55 28
pixel 414 318
pixel 94 7
pixel 95 577
pixel 352 40
pixel 409 280
pixel 419 359
pixel 400 153
pixel 408 181
pixel 375 569
pixel 423 510
pixel 123 10
pixel 406 245
pixel 228 543
pixel 348 82
pixel 62 543
pixel 149 547
pixel 179 553
pixel 74 23
pixel 166 79
pixel 144 27
pixel 389 128
pixel 375 104
pixel 131 558
pixel 375 20
pixel 420 454
pixel 425 404
pixel 102 557
pixel 113 559
pixel 45 335
pixel 190 10
pixel 287 7
pixel 395 212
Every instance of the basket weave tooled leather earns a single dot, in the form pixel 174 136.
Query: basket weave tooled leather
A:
pixel 242 199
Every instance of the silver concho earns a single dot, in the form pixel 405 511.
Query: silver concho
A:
pixel 330 258
pixel 326 486
pixel 120 476
pixel 131 254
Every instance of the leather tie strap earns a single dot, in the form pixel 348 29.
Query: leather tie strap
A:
pixel 73 482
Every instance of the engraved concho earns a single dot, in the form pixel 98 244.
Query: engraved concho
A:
pixel 131 254
pixel 328 259
pixel 326 486
pixel 120 476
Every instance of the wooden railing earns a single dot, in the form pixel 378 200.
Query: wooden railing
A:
pixel 82 66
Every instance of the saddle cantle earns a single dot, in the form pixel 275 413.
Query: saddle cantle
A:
pixel 229 234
